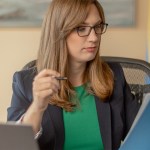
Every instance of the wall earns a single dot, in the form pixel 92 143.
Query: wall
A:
pixel 128 42
pixel 18 46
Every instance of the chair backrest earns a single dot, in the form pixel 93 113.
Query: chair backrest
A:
pixel 137 73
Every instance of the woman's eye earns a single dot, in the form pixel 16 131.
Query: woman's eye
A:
pixel 81 29
pixel 98 26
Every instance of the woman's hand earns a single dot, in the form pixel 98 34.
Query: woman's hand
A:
pixel 44 86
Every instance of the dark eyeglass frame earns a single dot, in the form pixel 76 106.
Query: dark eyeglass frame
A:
pixel 103 25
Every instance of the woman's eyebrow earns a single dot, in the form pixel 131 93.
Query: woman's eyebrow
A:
pixel 99 22
pixel 86 23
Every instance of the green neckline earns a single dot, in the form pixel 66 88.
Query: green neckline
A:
pixel 76 87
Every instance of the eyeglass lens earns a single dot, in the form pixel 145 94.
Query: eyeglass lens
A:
pixel 85 30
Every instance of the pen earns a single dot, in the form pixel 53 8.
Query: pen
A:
pixel 61 78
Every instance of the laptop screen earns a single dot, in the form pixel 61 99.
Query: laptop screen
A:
pixel 17 137
pixel 138 137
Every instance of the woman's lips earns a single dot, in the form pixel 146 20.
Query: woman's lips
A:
pixel 90 49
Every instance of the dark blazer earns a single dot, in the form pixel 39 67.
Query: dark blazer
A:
pixel 115 115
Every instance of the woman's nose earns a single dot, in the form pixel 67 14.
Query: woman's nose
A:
pixel 93 37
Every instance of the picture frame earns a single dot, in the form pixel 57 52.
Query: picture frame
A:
pixel 120 13
pixel 30 13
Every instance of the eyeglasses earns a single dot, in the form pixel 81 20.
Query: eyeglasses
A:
pixel 86 30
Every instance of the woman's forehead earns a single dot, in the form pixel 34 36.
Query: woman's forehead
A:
pixel 93 16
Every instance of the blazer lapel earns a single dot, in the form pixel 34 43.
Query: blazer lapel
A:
pixel 57 118
pixel 104 117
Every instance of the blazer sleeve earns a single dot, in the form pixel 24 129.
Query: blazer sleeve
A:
pixel 20 98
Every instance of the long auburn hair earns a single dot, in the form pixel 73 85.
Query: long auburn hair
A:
pixel 62 17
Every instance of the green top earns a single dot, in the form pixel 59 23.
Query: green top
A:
pixel 81 126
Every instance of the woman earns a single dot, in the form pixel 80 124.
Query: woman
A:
pixel 92 108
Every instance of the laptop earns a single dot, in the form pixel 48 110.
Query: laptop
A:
pixel 17 137
pixel 138 137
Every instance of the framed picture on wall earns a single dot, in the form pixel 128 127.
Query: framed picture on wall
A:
pixel 119 13
pixel 30 13
pixel 22 13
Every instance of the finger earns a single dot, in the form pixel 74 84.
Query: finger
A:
pixel 46 94
pixel 46 80
pixel 47 72
pixel 46 86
